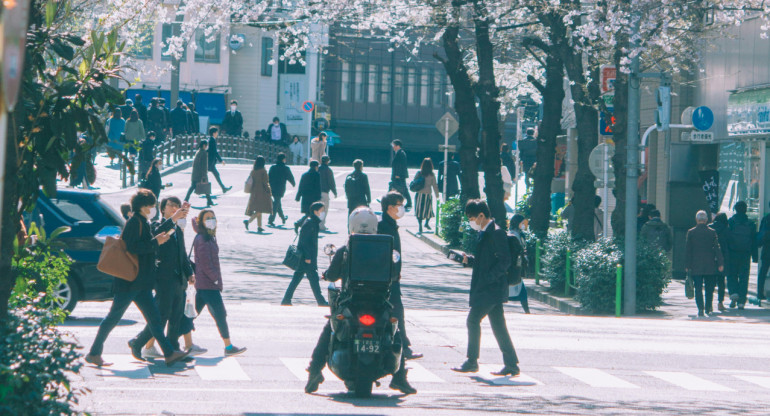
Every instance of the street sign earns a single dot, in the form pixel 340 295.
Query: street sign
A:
pixel 308 106
pixel 607 76
pixel 697 136
pixel 321 124
pixel 605 127
pixel 609 99
pixel 686 117
pixel 14 23
pixel 702 118
pixel 447 129
pixel 596 161
pixel 450 148
pixel 599 184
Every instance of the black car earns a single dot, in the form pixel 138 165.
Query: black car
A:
pixel 91 220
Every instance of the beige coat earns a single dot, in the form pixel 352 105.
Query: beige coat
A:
pixel 317 149
pixel 430 185
pixel 260 200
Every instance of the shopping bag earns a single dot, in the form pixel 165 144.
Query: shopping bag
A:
pixel 189 305
pixel 689 287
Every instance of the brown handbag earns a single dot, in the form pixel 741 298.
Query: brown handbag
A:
pixel 116 261
pixel 203 188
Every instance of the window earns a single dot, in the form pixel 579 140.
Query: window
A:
pixel 371 84
pixel 437 98
pixel 267 56
pixel 169 30
pixel 143 47
pixel 72 211
pixel 207 49
pixel 345 82
pixel 450 93
pixel 424 87
pixel 385 86
pixel 398 85
pixel 359 83
pixel 410 84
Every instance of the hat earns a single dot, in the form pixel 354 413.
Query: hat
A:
pixel 129 102
pixel 362 221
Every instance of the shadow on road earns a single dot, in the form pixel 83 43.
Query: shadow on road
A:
pixel 92 321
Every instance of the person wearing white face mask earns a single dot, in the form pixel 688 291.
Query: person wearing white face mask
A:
pixel 233 121
pixel 308 249
pixel 393 210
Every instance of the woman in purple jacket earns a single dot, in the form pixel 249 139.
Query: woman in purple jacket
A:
pixel 208 276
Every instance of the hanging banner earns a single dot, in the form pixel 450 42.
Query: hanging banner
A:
pixel 710 181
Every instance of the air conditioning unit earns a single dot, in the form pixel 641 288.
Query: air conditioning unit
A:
pixel 237 41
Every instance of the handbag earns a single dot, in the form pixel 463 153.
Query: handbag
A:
pixel 247 185
pixel 189 304
pixel 689 287
pixel 293 257
pixel 116 261
pixel 203 188
pixel 417 183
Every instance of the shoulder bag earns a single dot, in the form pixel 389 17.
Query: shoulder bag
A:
pixel 115 259
pixel 293 257
pixel 203 188
pixel 417 183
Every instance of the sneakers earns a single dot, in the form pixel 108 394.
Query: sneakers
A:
pixel 196 350
pixel 229 352
pixel 151 352
pixel 468 367
pixel 313 381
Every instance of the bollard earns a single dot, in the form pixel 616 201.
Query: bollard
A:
pixel 618 289
pixel 537 263
pixel 566 272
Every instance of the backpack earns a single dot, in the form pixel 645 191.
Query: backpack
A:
pixel 354 188
pixel 417 183
pixel 740 235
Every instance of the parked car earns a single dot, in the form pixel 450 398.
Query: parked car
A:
pixel 91 220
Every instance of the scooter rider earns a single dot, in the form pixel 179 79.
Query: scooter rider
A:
pixel 361 221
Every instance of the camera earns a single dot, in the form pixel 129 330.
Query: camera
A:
pixel 455 256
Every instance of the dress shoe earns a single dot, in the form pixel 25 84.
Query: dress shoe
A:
pixel 226 189
pixel 741 307
pixel 467 367
pixel 260 230
pixel 721 307
pixel 97 360
pixel 411 355
pixel 175 357
pixel 508 370
pixel 313 381
pixel 246 224
pixel 136 350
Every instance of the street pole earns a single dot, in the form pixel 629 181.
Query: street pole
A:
pixel 605 191
pixel 515 173
pixel 632 156
pixel 446 152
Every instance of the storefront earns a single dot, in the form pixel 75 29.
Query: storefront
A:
pixel 211 107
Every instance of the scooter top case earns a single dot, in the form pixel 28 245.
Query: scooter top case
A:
pixel 370 262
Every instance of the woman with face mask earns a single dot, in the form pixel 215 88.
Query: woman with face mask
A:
pixel 308 249
pixel 518 248
pixel 152 181
pixel 208 276
pixel 260 199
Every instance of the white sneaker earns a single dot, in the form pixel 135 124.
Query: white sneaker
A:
pixel 196 350
pixel 151 352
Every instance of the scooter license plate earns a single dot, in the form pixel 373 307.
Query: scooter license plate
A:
pixel 367 346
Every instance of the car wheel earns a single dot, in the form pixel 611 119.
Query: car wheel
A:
pixel 66 295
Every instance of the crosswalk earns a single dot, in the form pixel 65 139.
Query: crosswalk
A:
pixel 208 368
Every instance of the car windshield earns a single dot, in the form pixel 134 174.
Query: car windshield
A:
pixel 111 213
pixel 71 211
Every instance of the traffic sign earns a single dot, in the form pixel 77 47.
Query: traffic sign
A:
pixel 596 161
pixel 308 106
pixel 702 118
pixel 449 148
pixel 605 128
pixel 447 125
pixel 321 124
pixel 607 76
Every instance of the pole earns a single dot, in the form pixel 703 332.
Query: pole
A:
pixel 3 139
pixel 515 173
pixel 618 290
pixel 632 157
pixel 446 152
pixel 605 192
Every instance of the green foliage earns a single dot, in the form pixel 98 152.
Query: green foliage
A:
pixel 451 220
pixel 35 361
pixel 554 258
pixel 522 207
pixel 596 268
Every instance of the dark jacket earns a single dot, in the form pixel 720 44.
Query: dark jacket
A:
pixel 703 256
pixel 285 138
pixel 147 154
pixel 489 281
pixel 208 274
pixel 361 194
pixel 153 182
pixel 338 267
pixel 200 167
pixel 527 151
pixel 763 238
pixel 733 244
pixel 173 264
pixel 657 233
pixel 141 109
pixel 327 179
pixel 195 121
pixel 721 230
pixel 453 172
pixel 509 163
pixel 125 111
pixel 213 153
pixel 399 166
pixel 233 123
pixel 278 175
pixel 308 240
pixel 388 226
pixel 179 122
pixel 309 190
pixel 139 238
pixel 517 246
pixel 156 120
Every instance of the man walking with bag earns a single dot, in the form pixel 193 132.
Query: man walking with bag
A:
pixel 742 242
pixel 703 260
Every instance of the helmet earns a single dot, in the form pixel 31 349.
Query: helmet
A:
pixel 362 221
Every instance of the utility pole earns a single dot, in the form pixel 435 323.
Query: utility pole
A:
pixel 632 173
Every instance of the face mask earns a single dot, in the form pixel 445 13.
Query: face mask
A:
pixel 211 223
pixel 232 108
pixel 181 223
pixel 475 225
pixel 401 212
pixel 153 212
pixel 322 216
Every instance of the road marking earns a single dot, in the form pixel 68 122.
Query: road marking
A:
pixel 485 375
pixel 759 381
pixel 420 374
pixel 512 393
pixel 125 366
pixel 687 381
pixel 220 368
pixel 297 367
pixel 596 378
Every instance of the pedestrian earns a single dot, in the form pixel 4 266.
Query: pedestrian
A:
pixel 643 216
pixel 327 186
pixel 742 243
pixel 489 289
pixel 213 154
pixel 278 175
pixel 361 221
pixel 174 273
pixel 657 233
pixel 453 172
pixel 260 199
pixel 195 120
pixel 134 129
pixel 156 120
pixel 179 120
pixel 127 108
pixel 528 155
pixel 208 276
pixel 199 169
pixel 357 190
pixel 518 248
pixel 233 122
pixel 166 113
pixel 308 249
pixel 507 157
pixel 147 152
pixel 277 132
pixel 507 181
pixel 423 200
pixel 720 226
pixel 318 147
pixel 152 181
pixel 399 173
pixel 116 127
pixel 140 241
pixel 297 151
pixel 308 191
pixel 140 108
pixel 393 210
pixel 703 261
pixel 598 218
pixel 763 240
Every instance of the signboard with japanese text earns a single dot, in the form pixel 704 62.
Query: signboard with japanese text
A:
pixel 710 181
pixel 607 78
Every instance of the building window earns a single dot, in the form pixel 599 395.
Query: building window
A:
pixel 424 87
pixel 206 50
pixel 385 86
pixel 169 30
pixel 267 56
pixel 410 84
pixel 359 83
pixel 371 84
pixel 345 82
pixel 398 85
pixel 450 94
pixel 437 98
pixel 143 47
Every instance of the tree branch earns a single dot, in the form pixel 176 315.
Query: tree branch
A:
pixel 540 87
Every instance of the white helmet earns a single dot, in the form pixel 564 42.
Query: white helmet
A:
pixel 362 221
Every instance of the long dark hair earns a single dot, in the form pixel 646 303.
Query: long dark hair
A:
pixel 152 166
pixel 426 169
pixel 721 218
pixel 134 116
pixel 259 163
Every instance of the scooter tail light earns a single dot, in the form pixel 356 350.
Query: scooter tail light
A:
pixel 366 320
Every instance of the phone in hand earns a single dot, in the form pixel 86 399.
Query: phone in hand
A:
pixel 455 255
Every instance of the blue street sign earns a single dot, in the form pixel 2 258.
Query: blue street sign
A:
pixel 702 118
pixel 307 106
pixel 605 128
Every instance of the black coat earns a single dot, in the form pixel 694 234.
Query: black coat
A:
pixel 147 154
pixel 327 179
pixel 338 267
pixel 173 264
pixel 399 166
pixel 489 281
pixel 764 237
pixel 142 110
pixel 213 153
pixel 139 238
pixel 156 120
pixel 388 226
pixel 179 121
pixel 309 190
pixel 721 230
pixel 153 182
pixel 453 178
pixel 195 121
pixel 233 123
pixel 278 175
pixel 308 240
pixel 362 195
pixel 527 152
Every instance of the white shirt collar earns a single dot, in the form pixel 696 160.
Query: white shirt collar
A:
pixel 487 226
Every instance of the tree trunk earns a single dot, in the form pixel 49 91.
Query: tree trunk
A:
pixel 619 132
pixel 10 212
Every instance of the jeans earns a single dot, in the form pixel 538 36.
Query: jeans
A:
pixel 738 279
pixel 709 281
pixel 277 210
pixel 213 299
pixel 398 312
pixel 170 299
pixel 213 170
pixel 120 302
pixel 497 320
pixel 192 189
pixel 311 270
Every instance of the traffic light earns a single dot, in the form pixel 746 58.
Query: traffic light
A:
pixel 663 113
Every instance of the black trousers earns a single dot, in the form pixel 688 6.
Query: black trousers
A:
pixel 398 312
pixel 400 186
pixel 497 320
pixel 311 270
pixel 277 209
pixel 738 279
pixel 213 169
pixel 170 300
pixel 192 189
pixel 721 288
pixel 709 281
pixel 764 267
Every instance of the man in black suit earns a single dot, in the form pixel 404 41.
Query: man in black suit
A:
pixel 489 289
pixel 179 121
pixel 309 191
pixel 141 109
pixel 195 119
pixel 214 157
pixel 233 122
pixel 399 172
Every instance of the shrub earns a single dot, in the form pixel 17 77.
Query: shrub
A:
pixel 522 207
pixel 596 268
pixel 451 220
pixel 553 259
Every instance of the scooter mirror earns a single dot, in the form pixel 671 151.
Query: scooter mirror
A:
pixel 396 256
pixel 330 249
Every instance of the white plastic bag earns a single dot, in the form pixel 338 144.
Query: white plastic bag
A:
pixel 515 290
pixel 189 305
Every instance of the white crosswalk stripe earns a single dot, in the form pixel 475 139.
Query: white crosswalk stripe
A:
pixel 761 381
pixel 420 374
pixel 596 378
pixel 687 381
pixel 220 368
pixel 124 366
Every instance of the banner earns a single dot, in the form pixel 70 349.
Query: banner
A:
pixel 710 181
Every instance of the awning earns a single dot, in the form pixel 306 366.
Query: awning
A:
pixel 332 138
